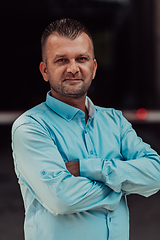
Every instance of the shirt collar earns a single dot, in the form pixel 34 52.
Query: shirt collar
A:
pixel 90 107
pixel 66 111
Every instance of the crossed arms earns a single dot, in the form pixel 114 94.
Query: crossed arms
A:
pixel 91 183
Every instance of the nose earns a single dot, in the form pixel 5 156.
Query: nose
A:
pixel 72 67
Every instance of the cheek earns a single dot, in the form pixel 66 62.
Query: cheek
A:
pixel 54 73
pixel 92 72
pixel 58 72
pixel 87 70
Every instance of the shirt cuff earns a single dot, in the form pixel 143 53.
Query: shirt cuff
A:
pixel 91 168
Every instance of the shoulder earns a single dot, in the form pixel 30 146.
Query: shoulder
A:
pixel 108 111
pixel 32 116
pixel 112 115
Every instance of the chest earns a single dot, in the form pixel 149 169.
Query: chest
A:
pixel 76 139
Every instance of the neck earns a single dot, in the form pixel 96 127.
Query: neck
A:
pixel 74 102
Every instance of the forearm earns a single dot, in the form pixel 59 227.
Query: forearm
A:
pixel 140 176
pixel 67 194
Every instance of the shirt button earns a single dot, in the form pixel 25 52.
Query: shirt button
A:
pixel 43 172
pixel 68 117
pixel 110 219
pixel 85 131
pixel 91 152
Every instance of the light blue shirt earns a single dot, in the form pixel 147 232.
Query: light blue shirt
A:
pixel 114 162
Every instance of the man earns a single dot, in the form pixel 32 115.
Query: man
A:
pixel 76 162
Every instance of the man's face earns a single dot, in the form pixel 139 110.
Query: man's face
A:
pixel 69 66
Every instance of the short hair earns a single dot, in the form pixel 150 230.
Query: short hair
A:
pixel 66 27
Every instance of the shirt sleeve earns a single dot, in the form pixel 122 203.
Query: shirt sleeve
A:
pixel 138 172
pixel 41 168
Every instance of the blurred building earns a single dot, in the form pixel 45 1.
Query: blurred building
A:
pixel 124 33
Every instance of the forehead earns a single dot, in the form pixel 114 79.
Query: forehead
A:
pixel 63 45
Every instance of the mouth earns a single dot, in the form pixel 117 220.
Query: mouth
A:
pixel 72 80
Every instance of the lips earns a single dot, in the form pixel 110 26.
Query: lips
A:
pixel 72 79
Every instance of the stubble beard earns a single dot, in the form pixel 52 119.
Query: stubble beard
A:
pixel 76 90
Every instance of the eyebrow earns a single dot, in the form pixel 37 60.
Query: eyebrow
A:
pixel 64 55
pixel 59 56
pixel 85 54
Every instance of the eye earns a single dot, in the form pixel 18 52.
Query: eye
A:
pixel 61 60
pixel 82 59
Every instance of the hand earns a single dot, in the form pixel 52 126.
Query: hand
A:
pixel 73 168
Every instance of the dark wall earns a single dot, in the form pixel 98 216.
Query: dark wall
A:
pixel 124 45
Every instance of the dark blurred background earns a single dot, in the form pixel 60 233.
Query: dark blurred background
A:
pixel 126 36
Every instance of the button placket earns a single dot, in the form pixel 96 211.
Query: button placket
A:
pixel 88 141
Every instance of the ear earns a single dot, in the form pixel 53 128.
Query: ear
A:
pixel 43 70
pixel 94 68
